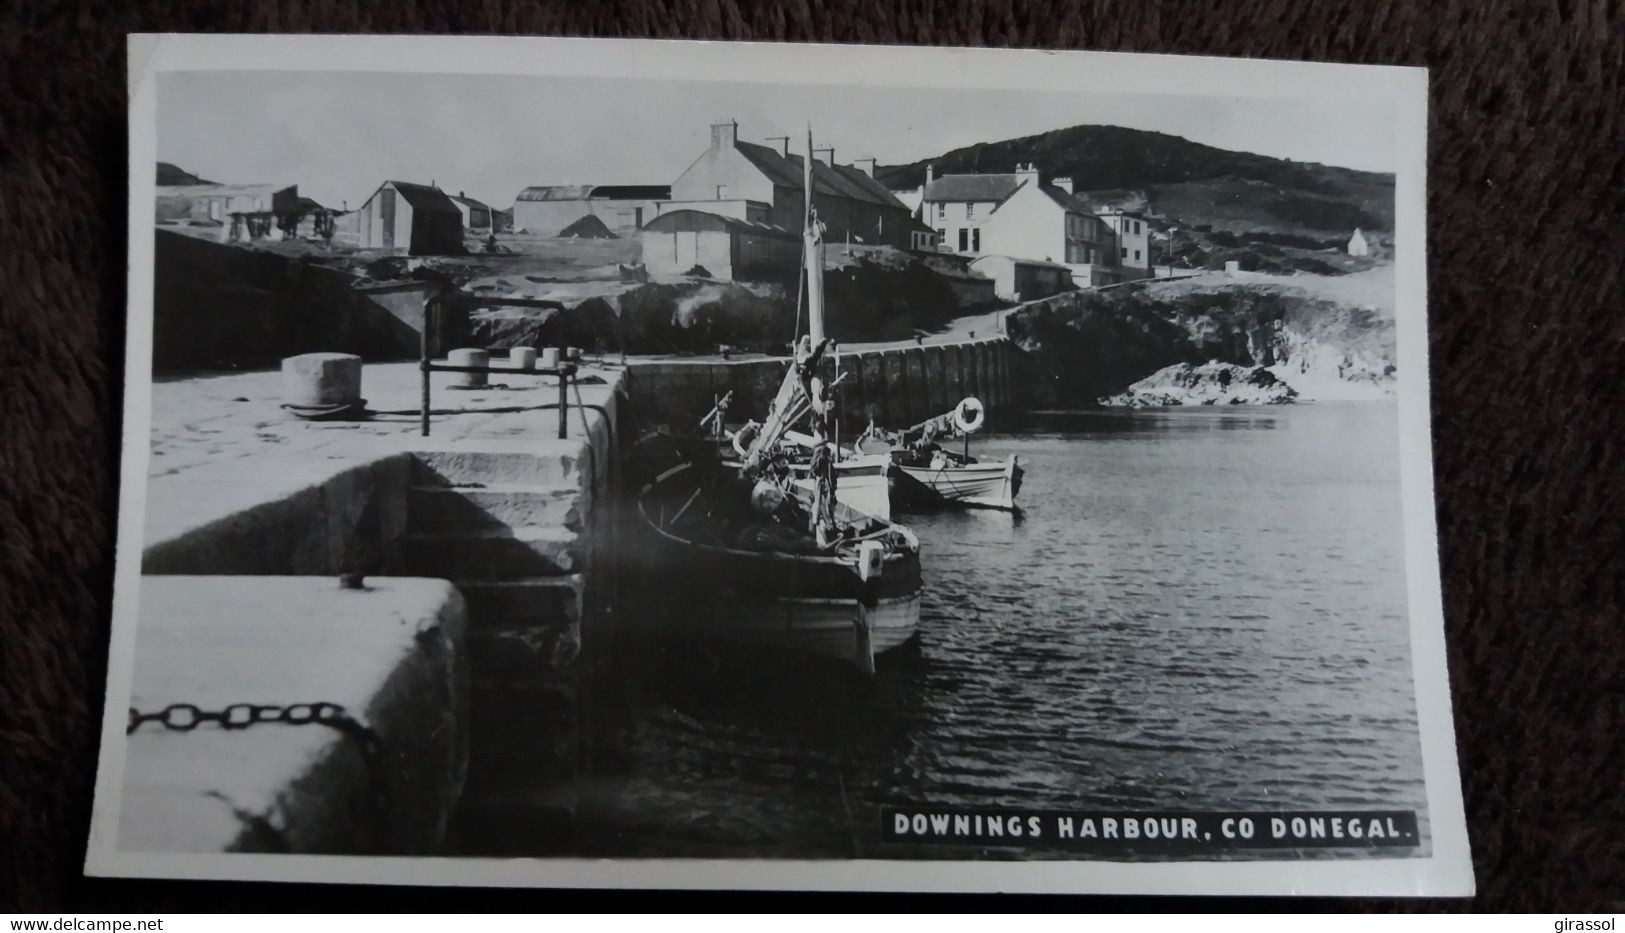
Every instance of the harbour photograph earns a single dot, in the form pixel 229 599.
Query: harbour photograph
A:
pixel 651 458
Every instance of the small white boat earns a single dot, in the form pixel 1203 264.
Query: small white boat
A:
pixel 949 480
pixel 926 475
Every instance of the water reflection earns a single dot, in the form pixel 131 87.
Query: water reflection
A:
pixel 1198 610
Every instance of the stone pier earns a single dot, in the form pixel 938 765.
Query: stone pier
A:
pixel 897 386
pixel 482 551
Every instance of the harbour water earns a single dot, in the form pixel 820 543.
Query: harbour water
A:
pixel 1200 609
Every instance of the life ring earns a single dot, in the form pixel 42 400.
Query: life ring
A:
pixel 977 415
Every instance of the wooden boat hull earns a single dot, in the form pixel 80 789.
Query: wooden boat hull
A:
pixel 810 625
pixel 757 598
pixel 979 485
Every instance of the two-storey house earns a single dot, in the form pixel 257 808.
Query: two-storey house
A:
pixel 1017 215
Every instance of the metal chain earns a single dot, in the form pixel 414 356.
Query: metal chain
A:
pixel 185 717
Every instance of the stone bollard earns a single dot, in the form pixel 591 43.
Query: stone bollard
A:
pixel 522 358
pixel 468 357
pixel 321 383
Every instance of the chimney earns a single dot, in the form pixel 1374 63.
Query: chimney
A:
pixel 784 144
pixel 824 154
pixel 865 165
pixel 460 194
pixel 724 134
pixel 930 173
pixel 1025 173
pixel 1064 183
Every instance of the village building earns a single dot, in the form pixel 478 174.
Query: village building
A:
pixel 242 212
pixel 313 221
pixel 1023 279
pixel 1358 245
pixel 765 185
pixel 685 242
pixel 1015 214
pixel 406 217
pixel 477 215
pixel 547 210
pixel 1133 241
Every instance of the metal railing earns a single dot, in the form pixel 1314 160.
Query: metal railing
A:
pixel 565 371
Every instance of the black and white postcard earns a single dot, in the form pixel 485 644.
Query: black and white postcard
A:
pixel 558 462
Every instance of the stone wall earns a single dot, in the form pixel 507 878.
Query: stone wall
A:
pixel 350 521
pixel 895 387
pixel 232 307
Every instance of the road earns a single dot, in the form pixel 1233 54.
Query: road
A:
pixel 985 324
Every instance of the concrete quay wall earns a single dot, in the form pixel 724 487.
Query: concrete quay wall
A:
pixel 493 534
pixel 895 387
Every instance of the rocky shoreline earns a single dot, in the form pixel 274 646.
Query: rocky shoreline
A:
pixel 1213 339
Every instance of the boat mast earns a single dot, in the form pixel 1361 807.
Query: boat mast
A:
pixel 812 251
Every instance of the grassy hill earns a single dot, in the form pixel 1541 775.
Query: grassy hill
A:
pixel 169 174
pixel 1183 182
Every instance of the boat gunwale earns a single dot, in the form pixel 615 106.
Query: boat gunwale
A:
pixel 898 555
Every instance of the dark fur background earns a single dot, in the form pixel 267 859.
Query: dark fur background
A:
pixel 1527 334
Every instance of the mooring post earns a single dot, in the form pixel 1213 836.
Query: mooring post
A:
pixel 429 305
pixel 565 371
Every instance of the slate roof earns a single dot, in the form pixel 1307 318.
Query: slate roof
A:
pixel 1069 201
pixel 972 187
pixel 877 191
pixel 841 181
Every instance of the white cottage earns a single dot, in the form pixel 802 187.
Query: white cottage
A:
pixel 1358 245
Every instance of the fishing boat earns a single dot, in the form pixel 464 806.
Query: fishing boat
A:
pixel 863 480
pixel 776 556
pixel 927 474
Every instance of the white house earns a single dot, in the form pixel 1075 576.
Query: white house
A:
pixel 765 184
pixel 405 217
pixel 1358 245
pixel 477 215
pixel 1018 216
pixel 1023 279
pixel 1133 241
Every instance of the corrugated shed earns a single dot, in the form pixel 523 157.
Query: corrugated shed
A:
pixel 691 220
pixel 555 193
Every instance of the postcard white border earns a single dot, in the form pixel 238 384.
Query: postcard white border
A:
pixel 1447 871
